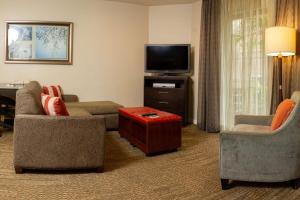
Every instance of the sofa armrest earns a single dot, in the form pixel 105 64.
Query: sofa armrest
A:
pixel 70 98
pixel 58 142
pixel 264 120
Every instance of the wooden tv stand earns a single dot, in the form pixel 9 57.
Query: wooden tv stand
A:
pixel 173 100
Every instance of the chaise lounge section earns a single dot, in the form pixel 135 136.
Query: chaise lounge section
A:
pixel 106 109
pixel 60 142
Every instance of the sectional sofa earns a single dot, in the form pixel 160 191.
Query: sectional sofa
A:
pixel 60 142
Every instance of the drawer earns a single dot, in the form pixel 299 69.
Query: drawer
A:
pixel 164 94
pixel 176 108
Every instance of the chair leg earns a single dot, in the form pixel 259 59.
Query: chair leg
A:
pixel 18 170
pixel 296 183
pixel 225 184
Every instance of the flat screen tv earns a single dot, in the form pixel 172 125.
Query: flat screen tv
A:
pixel 167 58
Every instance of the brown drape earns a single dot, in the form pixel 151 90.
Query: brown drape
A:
pixel 287 14
pixel 209 67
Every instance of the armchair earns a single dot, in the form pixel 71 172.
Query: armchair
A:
pixel 252 152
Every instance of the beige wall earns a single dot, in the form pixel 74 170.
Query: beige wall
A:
pixel 178 24
pixel 109 38
pixel 170 24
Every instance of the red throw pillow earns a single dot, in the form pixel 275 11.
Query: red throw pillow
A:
pixel 282 113
pixel 54 106
pixel 53 91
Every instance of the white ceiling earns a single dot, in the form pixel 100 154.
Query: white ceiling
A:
pixel 156 2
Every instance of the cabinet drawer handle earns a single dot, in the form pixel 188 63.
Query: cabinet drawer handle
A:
pixel 160 92
pixel 164 102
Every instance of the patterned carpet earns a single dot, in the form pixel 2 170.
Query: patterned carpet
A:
pixel 191 173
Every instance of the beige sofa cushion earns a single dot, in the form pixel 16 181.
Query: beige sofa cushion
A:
pixel 252 128
pixel 96 107
pixel 34 85
pixel 78 112
pixel 28 99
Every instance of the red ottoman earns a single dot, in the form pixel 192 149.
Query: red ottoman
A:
pixel 150 134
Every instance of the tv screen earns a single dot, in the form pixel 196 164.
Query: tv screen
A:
pixel 167 58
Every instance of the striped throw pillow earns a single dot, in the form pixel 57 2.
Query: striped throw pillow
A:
pixel 53 91
pixel 54 106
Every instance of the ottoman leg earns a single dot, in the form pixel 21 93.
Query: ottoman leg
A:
pixel 18 170
pixel 100 170
pixel 225 184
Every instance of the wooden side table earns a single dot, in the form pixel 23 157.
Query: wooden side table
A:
pixel 9 90
pixel 8 93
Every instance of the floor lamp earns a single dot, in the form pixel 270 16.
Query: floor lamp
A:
pixel 280 41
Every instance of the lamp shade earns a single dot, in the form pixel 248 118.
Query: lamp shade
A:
pixel 280 41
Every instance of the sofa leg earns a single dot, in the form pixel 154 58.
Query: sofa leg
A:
pixel 18 170
pixel 296 183
pixel 225 184
pixel 100 170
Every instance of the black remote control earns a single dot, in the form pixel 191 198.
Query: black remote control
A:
pixel 148 114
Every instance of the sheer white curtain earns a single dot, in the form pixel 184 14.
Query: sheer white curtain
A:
pixel 245 74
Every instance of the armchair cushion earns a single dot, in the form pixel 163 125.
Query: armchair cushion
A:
pixel 263 120
pixel 246 128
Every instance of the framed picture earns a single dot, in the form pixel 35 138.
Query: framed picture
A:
pixel 39 42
